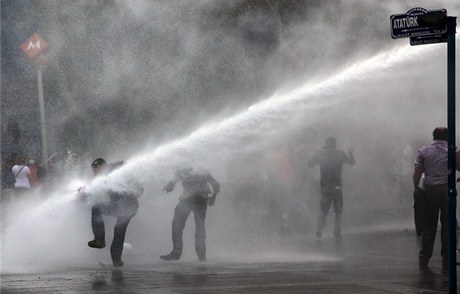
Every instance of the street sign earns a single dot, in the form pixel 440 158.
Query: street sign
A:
pixel 408 24
pixel 34 46
pixel 429 39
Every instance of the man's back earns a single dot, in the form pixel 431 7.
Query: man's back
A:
pixel 195 182
pixel 432 159
pixel 331 164
pixel 21 173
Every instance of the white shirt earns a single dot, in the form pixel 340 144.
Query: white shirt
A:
pixel 21 173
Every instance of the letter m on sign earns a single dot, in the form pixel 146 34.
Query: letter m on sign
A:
pixel 34 46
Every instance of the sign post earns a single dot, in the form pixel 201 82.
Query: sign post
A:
pixel 430 27
pixel 452 196
pixel 33 48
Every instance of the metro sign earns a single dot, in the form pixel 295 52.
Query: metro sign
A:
pixel 409 25
pixel 34 46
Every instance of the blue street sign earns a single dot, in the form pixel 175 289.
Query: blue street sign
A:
pixel 409 25
pixel 428 39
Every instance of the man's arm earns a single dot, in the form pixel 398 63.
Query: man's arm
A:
pixel 418 169
pixel 169 186
pixel 215 189
pixel 417 176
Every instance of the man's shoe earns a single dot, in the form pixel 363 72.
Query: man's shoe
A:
pixel 96 244
pixel 423 267
pixel 118 263
pixel 169 257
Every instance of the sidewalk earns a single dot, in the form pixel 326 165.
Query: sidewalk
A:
pixel 368 262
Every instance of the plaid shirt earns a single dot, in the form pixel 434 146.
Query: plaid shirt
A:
pixel 432 160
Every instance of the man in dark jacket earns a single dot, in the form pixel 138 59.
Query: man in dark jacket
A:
pixel 123 205
pixel 194 198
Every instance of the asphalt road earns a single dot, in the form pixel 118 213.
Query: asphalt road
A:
pixel 382 261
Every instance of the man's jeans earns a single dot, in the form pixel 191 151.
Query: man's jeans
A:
pixel 198 204
pixel 329 196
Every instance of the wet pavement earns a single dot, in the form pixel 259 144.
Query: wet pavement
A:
pixel 366 262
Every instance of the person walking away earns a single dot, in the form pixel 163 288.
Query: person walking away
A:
pixel 330 161
pixel 21 174
pixel 195 183
pixel 432 160
pixel 123 205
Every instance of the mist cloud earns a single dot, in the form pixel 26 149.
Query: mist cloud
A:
pixel 227 84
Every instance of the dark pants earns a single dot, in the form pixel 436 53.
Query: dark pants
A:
pixel 123 207
pixel 198 204
pixel 435 203
pixel 329 196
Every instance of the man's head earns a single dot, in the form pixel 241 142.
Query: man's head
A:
pixel 32 159
pixel 98 165
pixel 440 133
pixel 330 143
pixel 186 171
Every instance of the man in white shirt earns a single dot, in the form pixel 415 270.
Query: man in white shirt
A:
pixel 21 173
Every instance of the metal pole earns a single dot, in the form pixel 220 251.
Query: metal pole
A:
pixel 452 196
pixel 41 102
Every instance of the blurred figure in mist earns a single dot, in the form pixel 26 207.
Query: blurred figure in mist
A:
pixel 195 197
pixel 401 172
pixel 122 204
pixel 285 207
pixel 330 161
pixel 432 160
pixel 21 174
pixel 33 171
pixel 52 170
pixel 7 176
pixel 247 184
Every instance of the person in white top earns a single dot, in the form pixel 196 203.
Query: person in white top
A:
pixel 21 173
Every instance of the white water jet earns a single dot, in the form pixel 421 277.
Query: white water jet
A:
pixel 276 113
